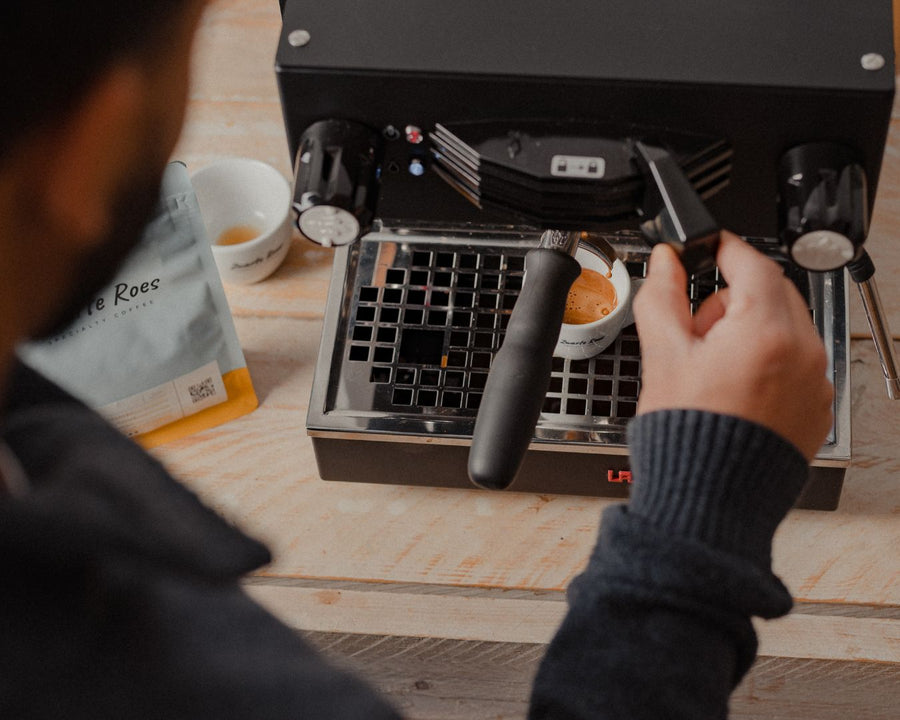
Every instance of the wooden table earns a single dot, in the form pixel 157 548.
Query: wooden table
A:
pixel 445 598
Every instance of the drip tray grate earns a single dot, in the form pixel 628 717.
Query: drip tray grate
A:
pixel 425 324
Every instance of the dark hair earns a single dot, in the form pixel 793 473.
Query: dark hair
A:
pixel 52 50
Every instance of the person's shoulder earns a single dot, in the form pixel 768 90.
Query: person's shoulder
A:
pixel 102 490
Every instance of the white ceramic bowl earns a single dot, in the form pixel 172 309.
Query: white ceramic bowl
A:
pixel 241 192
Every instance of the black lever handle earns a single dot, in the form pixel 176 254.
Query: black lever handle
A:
pixel 520 372
pixel 676 214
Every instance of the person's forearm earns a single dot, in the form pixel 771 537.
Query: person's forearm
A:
pixel 659 623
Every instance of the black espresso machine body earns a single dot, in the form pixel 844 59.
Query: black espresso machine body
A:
pixel 449 135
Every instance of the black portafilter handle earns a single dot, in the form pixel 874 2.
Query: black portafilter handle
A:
pixel 824 216
pixel 520 371
pixel 336 181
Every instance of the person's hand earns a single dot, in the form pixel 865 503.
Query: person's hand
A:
pixel 751 350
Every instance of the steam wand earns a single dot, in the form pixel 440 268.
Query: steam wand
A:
pixel 862 271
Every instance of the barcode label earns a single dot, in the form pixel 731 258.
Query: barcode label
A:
pixel 158 406
pixel 202 390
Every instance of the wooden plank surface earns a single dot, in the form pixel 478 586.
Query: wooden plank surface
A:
pixel 427 590
pixel 883 243
pixel 491 617
pixel 473 680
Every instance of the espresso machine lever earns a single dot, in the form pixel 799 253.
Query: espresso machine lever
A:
pixel 675 213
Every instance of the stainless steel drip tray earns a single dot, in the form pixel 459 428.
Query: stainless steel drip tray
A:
pixel 412 322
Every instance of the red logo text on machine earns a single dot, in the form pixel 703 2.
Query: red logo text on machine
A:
pixel 618 476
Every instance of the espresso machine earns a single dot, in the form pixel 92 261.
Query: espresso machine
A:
pixel 442 148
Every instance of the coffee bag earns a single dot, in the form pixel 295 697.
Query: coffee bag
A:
pixel 156 351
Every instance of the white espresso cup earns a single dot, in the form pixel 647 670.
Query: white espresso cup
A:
pixel 584 340
pixel 245 206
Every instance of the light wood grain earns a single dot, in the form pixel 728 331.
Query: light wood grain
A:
pixel 473 680
pixel 883 243
pixel 444 598
pixel 534 620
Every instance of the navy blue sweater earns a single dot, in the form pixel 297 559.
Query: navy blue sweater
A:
pixel 659 623
pixel 121 599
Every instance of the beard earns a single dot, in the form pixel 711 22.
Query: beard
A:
pixel 134 207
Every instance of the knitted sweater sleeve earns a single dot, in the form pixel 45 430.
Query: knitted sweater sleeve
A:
pixel 659 622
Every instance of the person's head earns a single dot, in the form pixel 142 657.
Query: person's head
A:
pixel 94 93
